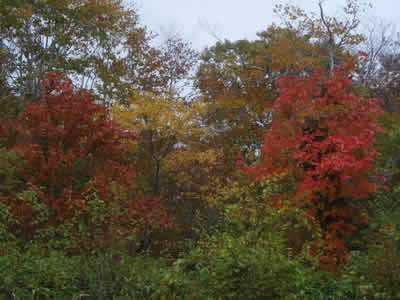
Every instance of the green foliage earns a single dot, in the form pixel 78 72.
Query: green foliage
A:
pixel 239 268
pixel 10 162
pixel 33 275
pixel 376 271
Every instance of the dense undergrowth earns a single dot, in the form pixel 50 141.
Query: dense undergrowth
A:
pixel 245 255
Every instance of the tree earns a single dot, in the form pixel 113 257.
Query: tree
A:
pixel 322 140
pixel 379 76
pixel 333 36
pixel 76 173
pixel 173 161
pixel 379 41
pixel 164 125
pixel 60 36
pixel 236 79
pixel 99 44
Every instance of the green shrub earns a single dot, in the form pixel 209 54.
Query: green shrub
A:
pixel 376 272
pixel 33 275
pixel 247 259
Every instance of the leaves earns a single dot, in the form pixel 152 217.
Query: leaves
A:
pixel 70 147
pixel 324 136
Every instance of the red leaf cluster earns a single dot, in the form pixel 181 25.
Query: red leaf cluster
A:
pixel 323 135
pixel 71 149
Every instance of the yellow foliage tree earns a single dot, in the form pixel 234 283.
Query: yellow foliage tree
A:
pixel 173 160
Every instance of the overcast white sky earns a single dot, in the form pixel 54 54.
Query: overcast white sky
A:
pixel 196 20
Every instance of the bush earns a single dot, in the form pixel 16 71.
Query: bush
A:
pixel 246 259
pixel 34 275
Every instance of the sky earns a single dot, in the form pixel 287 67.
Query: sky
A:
pixel 203 22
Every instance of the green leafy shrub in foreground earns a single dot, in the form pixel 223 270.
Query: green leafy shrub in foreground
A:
pixel 241 261
pixel 31 275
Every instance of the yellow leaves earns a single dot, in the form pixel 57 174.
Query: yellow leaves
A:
pixel 168 117
pixel 169 147
pixel 226 191
pixel 194 170
pixel 289 49
pixel 207 157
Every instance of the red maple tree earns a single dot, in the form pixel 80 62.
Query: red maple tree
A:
pixel 74 152
pixel 323 136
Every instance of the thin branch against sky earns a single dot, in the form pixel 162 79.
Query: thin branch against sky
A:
pixel 203 22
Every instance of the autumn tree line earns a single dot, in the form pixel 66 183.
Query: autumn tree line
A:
pixel 276 177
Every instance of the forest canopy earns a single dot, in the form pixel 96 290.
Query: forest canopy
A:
pixel 275 177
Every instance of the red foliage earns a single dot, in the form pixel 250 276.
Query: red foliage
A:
pixel 323 136
pixel 71 148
